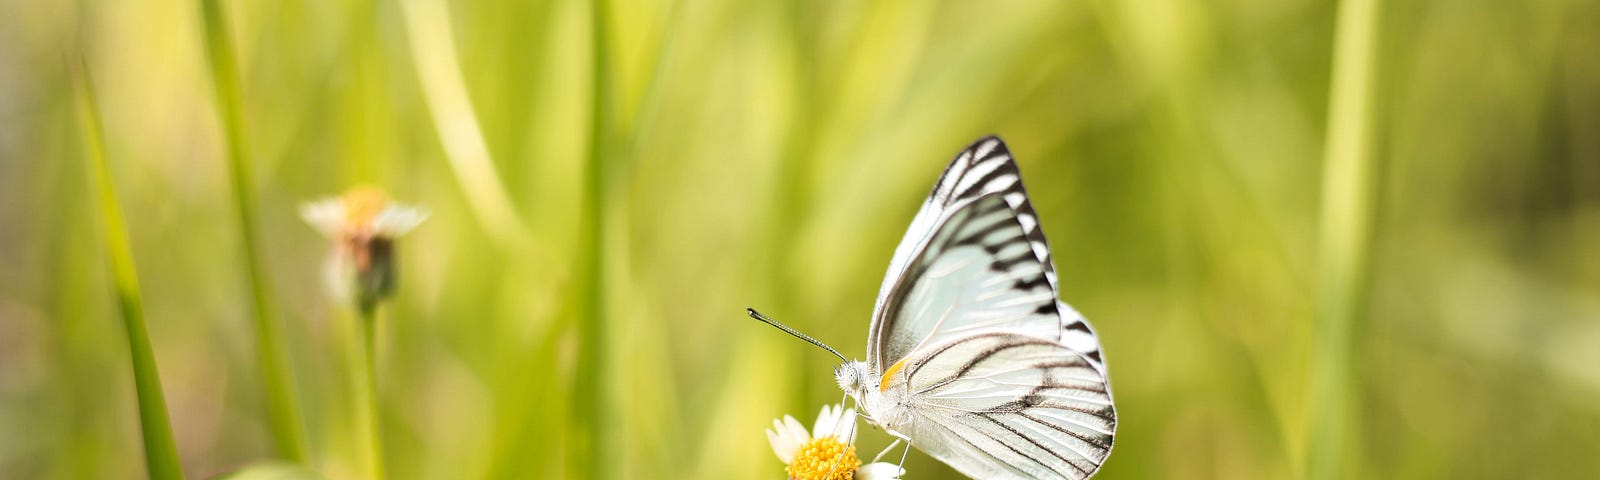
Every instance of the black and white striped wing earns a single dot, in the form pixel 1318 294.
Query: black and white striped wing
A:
pixel 1003 405
pixel 973 261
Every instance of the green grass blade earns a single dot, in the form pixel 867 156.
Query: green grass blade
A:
pixel 589 419
pixel 160 451
pixel 443 86
pixel 1345 235
pixel 283 409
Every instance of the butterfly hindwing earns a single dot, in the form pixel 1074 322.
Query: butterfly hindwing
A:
pixel 1003 405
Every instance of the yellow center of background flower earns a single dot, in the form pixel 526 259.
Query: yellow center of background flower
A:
pixel 362 204
pixel 824 458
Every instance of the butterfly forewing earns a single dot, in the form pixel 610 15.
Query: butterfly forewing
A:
pixel 979 276
pixel 977 215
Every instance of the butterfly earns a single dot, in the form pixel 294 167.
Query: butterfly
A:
pixel 972 357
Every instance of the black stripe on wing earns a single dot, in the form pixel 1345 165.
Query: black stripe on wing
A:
pixel 993 346
pixel 986 167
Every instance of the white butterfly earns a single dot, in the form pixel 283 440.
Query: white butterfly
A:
pixel 971 355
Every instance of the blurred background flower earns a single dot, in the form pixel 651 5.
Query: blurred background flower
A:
pixel 362 224
pixel 771 154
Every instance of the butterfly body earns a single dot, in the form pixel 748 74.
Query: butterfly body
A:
pixel 971 355
pixel 884 405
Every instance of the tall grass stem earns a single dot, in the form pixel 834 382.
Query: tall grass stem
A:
pixel 589 425
pixel 160 450
pixel 283 408
pixel 428 27
pixel 1345 237
pixel 445 89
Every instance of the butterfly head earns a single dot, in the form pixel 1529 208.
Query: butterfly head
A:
pixel 853 378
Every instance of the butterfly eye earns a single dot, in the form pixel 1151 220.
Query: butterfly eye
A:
pixel 848 378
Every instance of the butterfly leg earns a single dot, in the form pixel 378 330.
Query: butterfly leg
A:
pixel 837 462
pixel 898 438
pixel 835 467
pixel 886 450
pixel 903 455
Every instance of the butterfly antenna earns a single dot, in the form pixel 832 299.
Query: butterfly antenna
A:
pixel 769 321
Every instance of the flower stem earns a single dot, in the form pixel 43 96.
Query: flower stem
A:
pixel 364 374
pixel 160 451
pixel 283 411
pixel 1345 235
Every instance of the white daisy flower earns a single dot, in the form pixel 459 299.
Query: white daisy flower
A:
pixel 828 451
pixel 363 225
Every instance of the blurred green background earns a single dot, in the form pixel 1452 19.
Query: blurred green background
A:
pixel 771 154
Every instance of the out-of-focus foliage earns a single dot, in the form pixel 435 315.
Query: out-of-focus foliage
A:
pixel 771 154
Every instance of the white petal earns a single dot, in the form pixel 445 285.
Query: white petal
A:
pixel 326 215
pixel 827 419
pixel 395 220
pixel 338 275
pixel 880 471
pixel 795 430
pixel 783 433
pixel 781 444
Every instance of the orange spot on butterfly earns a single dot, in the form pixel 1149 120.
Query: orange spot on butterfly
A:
pixel 888 375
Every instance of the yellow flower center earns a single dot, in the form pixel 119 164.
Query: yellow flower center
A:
pixel 362 204
pixel 824 458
